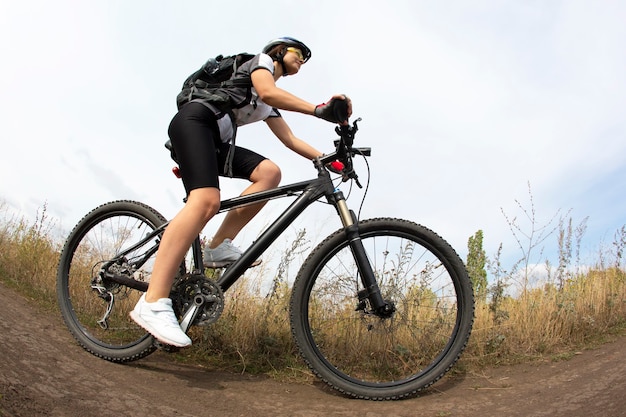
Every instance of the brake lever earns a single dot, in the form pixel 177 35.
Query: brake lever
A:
pixel 348 132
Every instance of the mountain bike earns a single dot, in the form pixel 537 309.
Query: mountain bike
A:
pixel 380 309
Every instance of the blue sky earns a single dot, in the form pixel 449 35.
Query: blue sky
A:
pixel 463 103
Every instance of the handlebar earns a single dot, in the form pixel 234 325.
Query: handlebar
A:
pixel 344 152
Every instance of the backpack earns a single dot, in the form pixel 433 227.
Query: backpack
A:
pixel 214 74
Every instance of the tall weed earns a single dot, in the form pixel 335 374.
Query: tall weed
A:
pixel 28 256
pixel 549 320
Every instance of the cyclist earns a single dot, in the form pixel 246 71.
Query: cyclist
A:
pixel 200 135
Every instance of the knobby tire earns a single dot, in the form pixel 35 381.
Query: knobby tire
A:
pixel 97 238
pixel 362 355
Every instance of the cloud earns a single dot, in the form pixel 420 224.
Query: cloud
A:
pixel 463 104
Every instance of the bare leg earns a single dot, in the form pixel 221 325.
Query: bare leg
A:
pixel 264 177
pixel 201 206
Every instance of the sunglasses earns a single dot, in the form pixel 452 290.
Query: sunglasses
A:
pixel 297 52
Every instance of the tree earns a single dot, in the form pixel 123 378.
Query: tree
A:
pixel 476 260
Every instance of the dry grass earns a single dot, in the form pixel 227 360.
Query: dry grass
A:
pixel 253 333
pixel 28 256
pixel 548 321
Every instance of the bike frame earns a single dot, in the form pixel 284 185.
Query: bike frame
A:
pixel 308 192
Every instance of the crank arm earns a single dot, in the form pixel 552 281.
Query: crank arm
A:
pixel 190 315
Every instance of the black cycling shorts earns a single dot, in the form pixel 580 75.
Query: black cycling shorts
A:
pixel 201 153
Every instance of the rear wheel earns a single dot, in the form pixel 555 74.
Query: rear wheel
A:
pixel 361 353
pixel 95 309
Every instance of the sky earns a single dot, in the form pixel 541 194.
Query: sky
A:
pixel 474 110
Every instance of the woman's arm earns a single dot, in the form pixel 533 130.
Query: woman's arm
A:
pixel 283 132
pixel 265 86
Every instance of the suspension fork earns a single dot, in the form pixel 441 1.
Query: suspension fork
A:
pixel 371 290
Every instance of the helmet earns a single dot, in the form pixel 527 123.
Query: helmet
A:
pixel 289 42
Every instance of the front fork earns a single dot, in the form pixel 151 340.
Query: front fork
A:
pixel 371 291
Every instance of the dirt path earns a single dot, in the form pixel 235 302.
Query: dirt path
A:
pixel 44 373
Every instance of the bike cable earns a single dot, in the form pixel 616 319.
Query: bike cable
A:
pixel 367 183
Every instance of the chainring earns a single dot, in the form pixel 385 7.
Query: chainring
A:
pixel 187 288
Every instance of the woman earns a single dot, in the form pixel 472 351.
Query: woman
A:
pixel 200 134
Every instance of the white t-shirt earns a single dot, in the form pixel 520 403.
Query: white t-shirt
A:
pixel 256 110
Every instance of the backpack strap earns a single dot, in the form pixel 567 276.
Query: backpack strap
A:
pixel 228 166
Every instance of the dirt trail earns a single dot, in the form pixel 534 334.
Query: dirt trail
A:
pixel 44 373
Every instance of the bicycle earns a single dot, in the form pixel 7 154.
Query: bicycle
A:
pixel 380 309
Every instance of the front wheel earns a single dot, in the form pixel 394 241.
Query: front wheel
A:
pixel 382 357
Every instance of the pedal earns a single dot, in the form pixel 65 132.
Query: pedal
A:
pixel 165 347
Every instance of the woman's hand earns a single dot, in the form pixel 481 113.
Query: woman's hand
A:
pixel 337 110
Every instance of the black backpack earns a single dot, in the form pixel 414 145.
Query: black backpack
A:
pixel 216 72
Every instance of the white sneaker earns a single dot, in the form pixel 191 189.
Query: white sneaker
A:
pixel 223 255
pixel 159 320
